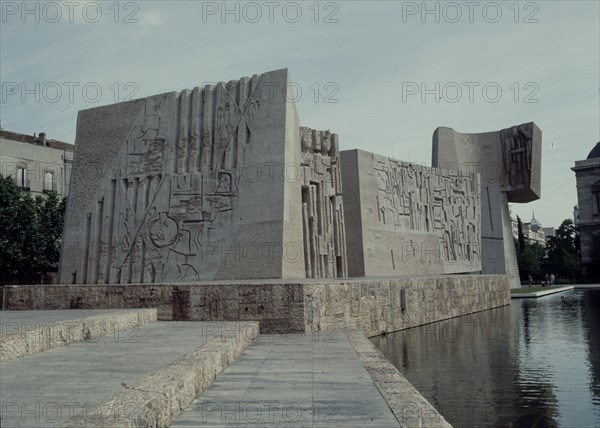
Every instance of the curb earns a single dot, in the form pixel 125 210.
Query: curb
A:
pixel 42 337
pixel 537 294
pixel 410 408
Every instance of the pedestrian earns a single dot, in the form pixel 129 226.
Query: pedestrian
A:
pixel 552 279
pixel 546 280
pixel 530 280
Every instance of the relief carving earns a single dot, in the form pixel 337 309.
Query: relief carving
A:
pixel 517 155
pixel 422 199
pixel 169 197
pixel 322 209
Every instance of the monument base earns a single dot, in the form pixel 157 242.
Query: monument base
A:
pixel 372 305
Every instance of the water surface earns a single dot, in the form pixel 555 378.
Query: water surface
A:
pixel 535 363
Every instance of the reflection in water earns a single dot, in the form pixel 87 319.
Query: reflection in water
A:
pixel 535 363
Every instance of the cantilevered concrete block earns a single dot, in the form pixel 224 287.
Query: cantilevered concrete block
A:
pixel 188 186
pixel 408 219
pixel 509 162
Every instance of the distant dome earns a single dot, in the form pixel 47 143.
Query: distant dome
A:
pixel 595 153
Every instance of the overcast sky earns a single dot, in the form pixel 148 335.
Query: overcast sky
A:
pixel 381 74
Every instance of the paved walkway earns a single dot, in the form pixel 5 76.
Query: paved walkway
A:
pixel 49 388
pixel 292 380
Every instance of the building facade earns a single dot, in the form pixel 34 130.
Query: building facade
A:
pixel 532 231
pixel 587 174
pixel 38 165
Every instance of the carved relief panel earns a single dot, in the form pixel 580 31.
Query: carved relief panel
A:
pixel 322 209
pixel 415 198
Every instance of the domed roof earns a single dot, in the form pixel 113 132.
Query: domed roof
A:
pixel 595 153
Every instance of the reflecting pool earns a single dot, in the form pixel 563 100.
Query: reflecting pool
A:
pixel 535 363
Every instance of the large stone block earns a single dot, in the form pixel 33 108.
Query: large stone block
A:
pixel 193 185
pixel 408 219
pixel 509 162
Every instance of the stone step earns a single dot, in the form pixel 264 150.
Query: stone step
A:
pixel 29 332
pixel 143 376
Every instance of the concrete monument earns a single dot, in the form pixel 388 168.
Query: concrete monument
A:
pixel 408 219
pixel 322 208
pixel 194 185
pixel 509 162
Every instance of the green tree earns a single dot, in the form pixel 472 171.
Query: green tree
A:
pixel 520 234
pixel 31 230
pixel 563 252
pixel 529 260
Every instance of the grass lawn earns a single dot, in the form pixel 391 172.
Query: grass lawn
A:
pixel 533 289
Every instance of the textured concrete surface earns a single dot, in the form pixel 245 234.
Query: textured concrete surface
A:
pixel 293 380
pixel 139 377
pixel 408 219
pixel 203 184
pixel 509 163
pixel 373 305
pixel 407 404
pixel 322 208
pixel 29 332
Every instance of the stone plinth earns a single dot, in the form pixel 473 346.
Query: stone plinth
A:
pixel 408 219
pixel 509 162
pixel 373 305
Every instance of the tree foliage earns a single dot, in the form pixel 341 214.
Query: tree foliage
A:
pixel 560 256
pixel 31 230
pixel 563 252
pixel 530 260
pixel 520 235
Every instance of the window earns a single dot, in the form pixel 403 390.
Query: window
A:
pixel 22 176
pixel 48 181
pixel 596 197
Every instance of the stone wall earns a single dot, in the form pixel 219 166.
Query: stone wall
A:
pixel 408 219
pixel 372 305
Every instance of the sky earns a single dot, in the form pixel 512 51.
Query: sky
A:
pixel 383 75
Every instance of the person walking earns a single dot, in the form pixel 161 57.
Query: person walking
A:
pixel 546 280
pixel 552 279
pixel 530 280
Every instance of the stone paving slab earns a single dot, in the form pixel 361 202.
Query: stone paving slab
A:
pixel 139 377
pixel 29 332
pixel 293 380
